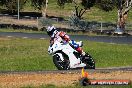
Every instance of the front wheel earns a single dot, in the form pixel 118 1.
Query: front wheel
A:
pixel 59 63
pixel 88 60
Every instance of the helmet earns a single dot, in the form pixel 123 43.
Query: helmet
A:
pixel 51 30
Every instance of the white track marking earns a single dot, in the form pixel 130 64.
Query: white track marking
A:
pixel 9 36
pixel 42 38
pixel 25 37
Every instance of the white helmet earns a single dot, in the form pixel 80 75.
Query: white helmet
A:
pixel 51 30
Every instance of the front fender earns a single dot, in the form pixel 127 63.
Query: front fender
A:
pixel 50 50
pixel 60 55
pixel 63 54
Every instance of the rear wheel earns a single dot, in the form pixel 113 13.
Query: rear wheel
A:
pixel 61 64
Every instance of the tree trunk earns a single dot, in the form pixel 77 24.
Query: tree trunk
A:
pixel 79 12
pixel 121 22
pixel 44 10
pixel 122 16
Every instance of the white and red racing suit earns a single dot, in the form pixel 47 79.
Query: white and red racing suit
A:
pixel 63 37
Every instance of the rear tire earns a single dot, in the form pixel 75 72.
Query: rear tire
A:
pixel 61 65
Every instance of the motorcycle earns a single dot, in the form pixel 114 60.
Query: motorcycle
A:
pixel 65 57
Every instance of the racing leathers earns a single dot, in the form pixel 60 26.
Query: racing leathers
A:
pixel 63 37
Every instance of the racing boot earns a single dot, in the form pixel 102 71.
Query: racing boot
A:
pixel 80 43
pixel 83 53
pixel 81 65
pixel 79 49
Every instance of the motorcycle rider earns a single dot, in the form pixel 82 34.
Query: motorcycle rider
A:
pixel 63 37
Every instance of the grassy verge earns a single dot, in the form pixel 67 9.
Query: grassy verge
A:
pixel 24 54
pixel 31 54
pixel 109 55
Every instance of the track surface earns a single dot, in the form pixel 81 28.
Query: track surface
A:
pixel 107 39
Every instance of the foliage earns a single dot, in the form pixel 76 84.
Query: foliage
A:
pixel 107 5
pixel 83 25
pixel 38 4
pixel 119 3
pixel 88 3
pixel 43 22
pixel 61 3
pixel 12 5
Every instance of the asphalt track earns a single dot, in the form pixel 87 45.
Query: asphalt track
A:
pixel 97 70
pixel 107 39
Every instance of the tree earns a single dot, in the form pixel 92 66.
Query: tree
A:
pixel 87 4
pixel 11 5
pixel 41 5
pixel 106 5
pixel 123 9
pixel 61 3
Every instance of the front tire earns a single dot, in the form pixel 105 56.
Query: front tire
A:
pixel 88 60
pixel 61 64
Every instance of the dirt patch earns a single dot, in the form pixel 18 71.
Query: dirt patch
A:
pixel 4 39
pixel 10 20
pixel 33 79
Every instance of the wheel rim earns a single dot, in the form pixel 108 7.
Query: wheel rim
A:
pixel 64 64
pixel 89 61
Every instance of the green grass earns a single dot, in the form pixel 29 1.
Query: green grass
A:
pixel 109 55
pixel 18 54
pixel 24 54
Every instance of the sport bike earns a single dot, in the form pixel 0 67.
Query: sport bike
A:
pixel 65 57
